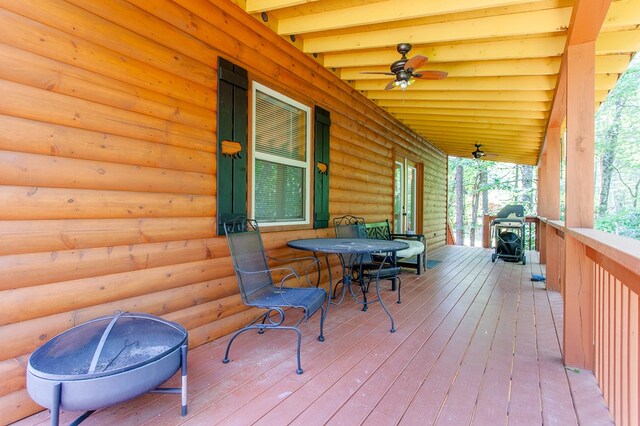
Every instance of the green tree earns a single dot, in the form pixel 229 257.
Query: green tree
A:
pixel 617 156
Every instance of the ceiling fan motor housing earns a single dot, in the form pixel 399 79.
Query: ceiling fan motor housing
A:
pixel 478 153
pixel 403 48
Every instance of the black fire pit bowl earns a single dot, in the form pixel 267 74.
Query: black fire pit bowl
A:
pixel 107 361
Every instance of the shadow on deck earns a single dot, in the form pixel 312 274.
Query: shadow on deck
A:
pixel 476 343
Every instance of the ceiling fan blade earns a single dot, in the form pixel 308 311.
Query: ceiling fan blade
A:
pixel 391 85
pixel 376 72
pixel 416 62
pixel 431 75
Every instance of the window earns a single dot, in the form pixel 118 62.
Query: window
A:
pixel 281 166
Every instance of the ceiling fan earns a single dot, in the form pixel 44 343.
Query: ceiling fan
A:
pixel 478 153
pixel 406 70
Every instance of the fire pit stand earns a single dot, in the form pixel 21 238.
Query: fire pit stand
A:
pixel 106 361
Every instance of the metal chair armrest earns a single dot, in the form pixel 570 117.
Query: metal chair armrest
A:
pixel 292 259
pixel 292 272
pixel 313 260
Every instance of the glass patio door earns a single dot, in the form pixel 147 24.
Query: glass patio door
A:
pixel 405 196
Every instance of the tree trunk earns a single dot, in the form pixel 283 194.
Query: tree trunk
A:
pixel 459 205
pixel 474 210
pixel 527 181
pixel 485 197
pixel 607 160
pixel 485 192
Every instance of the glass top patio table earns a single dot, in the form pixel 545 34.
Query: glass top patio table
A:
pixel 349 246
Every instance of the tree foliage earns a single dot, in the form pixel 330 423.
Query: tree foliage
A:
pixel 618 157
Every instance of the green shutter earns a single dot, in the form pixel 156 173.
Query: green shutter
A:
pixel 321 192
pixel 232 126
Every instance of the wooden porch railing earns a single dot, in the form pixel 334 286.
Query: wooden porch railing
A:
pixel 531 240
pixel 450 238
pixel 601 311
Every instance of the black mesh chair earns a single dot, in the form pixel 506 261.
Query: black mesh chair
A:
pixel 363 268
pixel 258 289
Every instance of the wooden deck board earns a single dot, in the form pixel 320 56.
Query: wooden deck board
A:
pixel 431 369
pixel 459 405
pixel 392 361
pixel 476 343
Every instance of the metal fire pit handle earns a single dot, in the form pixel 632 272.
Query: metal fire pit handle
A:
pixel 103 339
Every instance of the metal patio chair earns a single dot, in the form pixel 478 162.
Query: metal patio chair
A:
pixel 258 289
pixel 364 268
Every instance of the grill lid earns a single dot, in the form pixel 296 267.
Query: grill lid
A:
pixel 106 346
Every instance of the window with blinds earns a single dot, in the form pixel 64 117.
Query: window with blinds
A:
pixel 281 166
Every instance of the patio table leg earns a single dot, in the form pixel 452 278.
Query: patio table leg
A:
pixel 393 328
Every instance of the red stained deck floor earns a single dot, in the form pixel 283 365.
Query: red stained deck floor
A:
pixel 476 343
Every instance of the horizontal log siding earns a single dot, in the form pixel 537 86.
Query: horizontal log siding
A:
pixel 107 166
pixel 435 200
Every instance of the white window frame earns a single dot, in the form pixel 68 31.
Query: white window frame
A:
pixel 305 165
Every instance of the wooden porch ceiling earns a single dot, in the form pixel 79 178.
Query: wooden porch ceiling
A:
pixel 503 58
pixel 476 343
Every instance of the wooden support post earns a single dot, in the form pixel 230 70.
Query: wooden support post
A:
pixel 577 275
pixel 541 242
pixel 553 154
pixel 486 231
pixel 551 198
pixel 553 242
pixel 542 206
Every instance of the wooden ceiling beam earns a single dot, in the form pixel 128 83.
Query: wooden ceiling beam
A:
pixel 618 42
pixel 519 24
pixel 469 112
pixel 478 127
pixel 539 82
pixel 492 126
pixel 443 130
pixel 464 148
pixel 619 14
pixel 506 68
pixel 606 81
pixel 488 145
pixel 416 118
pixel 478 137
pixel 506 105
pixel 465 95
pixel 381 12
pixel 513 67
pixel 586 21
pixel 537 47
pixel 468 145
pixel 601 95
pixel 471 135
pixel 257 6
pixel 612 64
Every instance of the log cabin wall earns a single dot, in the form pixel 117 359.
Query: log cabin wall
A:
pixel 107 165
